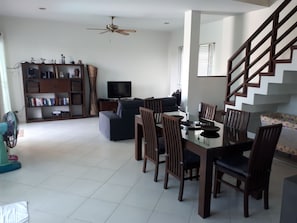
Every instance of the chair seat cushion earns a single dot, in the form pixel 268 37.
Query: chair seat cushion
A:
pixel 235 163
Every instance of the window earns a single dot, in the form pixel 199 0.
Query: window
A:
pixel 205 59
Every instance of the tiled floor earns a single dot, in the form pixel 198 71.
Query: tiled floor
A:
pixel 71 173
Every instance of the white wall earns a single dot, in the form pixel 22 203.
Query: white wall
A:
pixel 148 58
pixel 228 34
pixel 141 57
pixel 207 89
pixel 290 108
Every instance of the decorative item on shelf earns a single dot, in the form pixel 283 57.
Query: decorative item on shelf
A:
pixel 43 75
pixel 62 59
pixel 76 73
pixel 66 75
pixel 42 60
pixel 32 60
pixel 32 73
pixel 92 72
pixel 79 62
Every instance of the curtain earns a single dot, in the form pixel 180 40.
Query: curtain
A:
pixel 5 104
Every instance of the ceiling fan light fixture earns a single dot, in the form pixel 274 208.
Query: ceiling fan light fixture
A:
pixel 114 28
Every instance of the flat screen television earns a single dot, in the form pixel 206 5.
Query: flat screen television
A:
pixel 119 89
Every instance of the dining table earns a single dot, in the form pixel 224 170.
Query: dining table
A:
pixel 208 145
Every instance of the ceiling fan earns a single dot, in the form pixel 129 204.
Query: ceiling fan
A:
pixel 114 28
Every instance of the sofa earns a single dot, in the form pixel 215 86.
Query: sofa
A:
pixel 119 125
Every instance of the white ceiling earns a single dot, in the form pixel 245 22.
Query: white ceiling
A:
pixel 136 14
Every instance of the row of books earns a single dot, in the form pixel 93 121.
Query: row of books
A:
pixel 36 102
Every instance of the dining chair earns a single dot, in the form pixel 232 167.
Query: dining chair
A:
pixel 254 170
pixel 178 160
pixel 155 104
pixel 153 145
pixel 237 119
pixel 207 111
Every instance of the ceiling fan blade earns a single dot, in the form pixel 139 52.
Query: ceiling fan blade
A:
pixel 95 29
pixel 106 30
pixel 129 30
pixel 120 31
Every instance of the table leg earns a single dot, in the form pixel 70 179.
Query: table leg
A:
pixel 205 184
pixel 138 141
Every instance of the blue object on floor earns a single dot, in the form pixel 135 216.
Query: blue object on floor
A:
pixel 8 134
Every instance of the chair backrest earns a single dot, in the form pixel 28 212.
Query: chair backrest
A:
pixel 173 144
pixel 149 132
pixel 207 111
pixel 155 104
pixel 261 155
pixel 237 119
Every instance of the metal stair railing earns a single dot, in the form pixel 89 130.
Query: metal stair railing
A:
pixel 259 54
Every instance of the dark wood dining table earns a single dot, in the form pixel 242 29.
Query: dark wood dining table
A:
pixel 208 147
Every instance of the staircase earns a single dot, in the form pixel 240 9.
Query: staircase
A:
pixel 273 91
pixel 262 73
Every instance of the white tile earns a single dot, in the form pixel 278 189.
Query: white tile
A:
pixel 25 176
pixel 158 217
pixel 72 174
pixel 126 213
pixel 97 174
pixel 94 211
pixel 143 198
pixel 36 216
pixel 111 192
pixel 83 187
pixel 170 204
pixel 13 191
pixel 57 182
pixel 53 202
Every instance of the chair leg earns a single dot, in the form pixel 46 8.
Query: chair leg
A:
pixel 220 176
pixel 156 172
pixel 246 203
pixel 166 180
pixel 197 173
pixel 217 183
pixel 181 190
pixel 266 203
pixel 144 165
pixel 238 183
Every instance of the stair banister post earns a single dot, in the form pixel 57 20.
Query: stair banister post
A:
pixel 246 67
pixel 228 80
pixel 273 40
